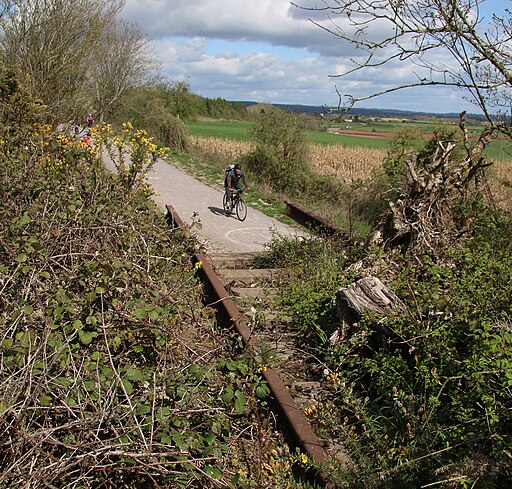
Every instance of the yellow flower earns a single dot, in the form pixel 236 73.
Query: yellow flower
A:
pixel 304 459
pixel 198 265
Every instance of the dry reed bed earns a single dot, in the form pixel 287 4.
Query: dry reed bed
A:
pixel 349 163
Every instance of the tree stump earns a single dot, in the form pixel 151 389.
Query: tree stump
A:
pixel 367 294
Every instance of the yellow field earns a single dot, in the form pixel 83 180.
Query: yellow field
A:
pixel 344 163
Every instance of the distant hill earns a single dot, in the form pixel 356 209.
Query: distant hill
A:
pixel 381 113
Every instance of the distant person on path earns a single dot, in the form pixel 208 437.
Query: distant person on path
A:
pixel 87 139
pixel 233 178
pixel 89 120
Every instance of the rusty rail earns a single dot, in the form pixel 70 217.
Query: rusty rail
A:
pixel 229 314
pixel 310 220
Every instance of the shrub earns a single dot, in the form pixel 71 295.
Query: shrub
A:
pixel 112 370
pixel 281 153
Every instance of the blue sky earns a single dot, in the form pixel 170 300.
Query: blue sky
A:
pixel 269 51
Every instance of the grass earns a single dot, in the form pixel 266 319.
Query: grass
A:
pixel 320 137
pixel 236 130
pixel 239 131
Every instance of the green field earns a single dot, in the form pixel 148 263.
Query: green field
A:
pixel 239 131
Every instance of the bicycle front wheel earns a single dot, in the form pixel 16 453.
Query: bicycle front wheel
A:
pixel 241 209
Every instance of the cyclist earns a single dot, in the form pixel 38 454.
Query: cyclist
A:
pixel 232 181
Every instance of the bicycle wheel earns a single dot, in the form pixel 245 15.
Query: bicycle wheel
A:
pixel 225 203
pixel 241 209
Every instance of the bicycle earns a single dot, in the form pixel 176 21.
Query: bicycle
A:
pixel 237 203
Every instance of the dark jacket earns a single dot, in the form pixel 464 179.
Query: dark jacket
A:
pixel 233 180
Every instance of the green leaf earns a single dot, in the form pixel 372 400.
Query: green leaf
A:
pixel 153 315
pixel 228 395
pixel 240 401
pixel 22 258
pixel 96 356
pixel 180 391
pixel 28 309
pixel 213 472
pixel 140 313
pixel 261 392
pixel 70 401
pixel 25 219
pixel 77 324
pixel 180 442
pixel 6 343
pixel 128 386
pixel 86 337
pixel 45 400
pixel 134 374
pixel 144 409
pixel 91 319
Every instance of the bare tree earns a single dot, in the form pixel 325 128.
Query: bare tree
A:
pixel 51 44
pixel 5 6
pixel 124 61
pixel 479 56
pixel 445 43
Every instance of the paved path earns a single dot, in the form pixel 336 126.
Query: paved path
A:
pixel 194 200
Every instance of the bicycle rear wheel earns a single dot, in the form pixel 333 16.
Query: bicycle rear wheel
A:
pixel 241 209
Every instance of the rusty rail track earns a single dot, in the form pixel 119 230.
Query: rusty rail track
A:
pixel 229 315
pixel 312 221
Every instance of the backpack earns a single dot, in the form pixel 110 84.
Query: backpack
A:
pixel 226 171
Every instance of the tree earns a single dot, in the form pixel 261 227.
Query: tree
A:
pixel 51 44
pixel 124 61
pixel 5 6
pixel 74 55
pixel 149 107
pixel 479 56
pixel 445 44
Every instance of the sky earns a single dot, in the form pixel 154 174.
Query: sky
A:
pixel 271 51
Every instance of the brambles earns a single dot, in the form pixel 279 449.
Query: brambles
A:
pixel 113 373
pixel 434 405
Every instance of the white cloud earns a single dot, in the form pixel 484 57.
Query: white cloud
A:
pixel 238 50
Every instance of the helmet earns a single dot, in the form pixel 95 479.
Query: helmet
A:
pixel 238 166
